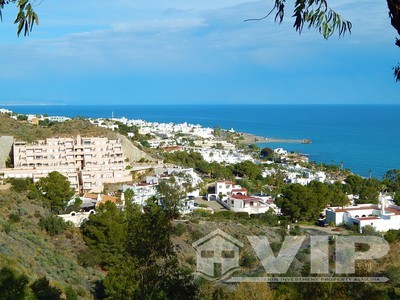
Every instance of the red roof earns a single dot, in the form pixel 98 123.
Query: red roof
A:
pixel 239 190
pixel 245 198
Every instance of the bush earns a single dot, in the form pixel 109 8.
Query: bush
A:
pixel 179 229
pixel 53 225
pixel 392 235
pixel 20 185
pixel 14 218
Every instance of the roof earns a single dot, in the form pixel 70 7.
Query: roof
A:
pixel 376 207
pixel 245 198
pixel 367 218
pixel 239 190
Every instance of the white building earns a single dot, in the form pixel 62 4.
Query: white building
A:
pixel 248 204
pixel 87 162
pixel 382 217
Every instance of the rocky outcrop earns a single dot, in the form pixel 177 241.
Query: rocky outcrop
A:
pixel 131 151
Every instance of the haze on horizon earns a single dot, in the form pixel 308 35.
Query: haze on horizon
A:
pixel 197 52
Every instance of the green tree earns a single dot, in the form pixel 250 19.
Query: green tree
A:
pixel 246 169
pixel 105 234
pixel 302 202
pixel 44 291
pixel 171 195
pixel 267 153
pixel 392 180
pixel 54 190
pixel 12 285
pixel 22 117
pixel 53 225
pixel 20 185
pixel 148 268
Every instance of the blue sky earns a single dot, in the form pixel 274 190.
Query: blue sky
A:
pixel 194 52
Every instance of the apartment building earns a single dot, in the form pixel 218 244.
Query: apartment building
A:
pixel 87 162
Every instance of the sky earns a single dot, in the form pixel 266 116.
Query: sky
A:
pixel 194 52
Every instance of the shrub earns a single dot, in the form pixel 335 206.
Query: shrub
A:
pixel 180 229
pixel 53 225
pixel 14 218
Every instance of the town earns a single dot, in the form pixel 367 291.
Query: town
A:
pixel 110 183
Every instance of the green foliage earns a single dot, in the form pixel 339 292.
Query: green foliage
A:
pixel 53 225
pixel 44 291
pixel 54 190
pixel 105 234
pixel 171 195
pixel 71 294
pixel 317 14
pixel 129 194
pixel 304 203
pixel 74 206
pixel 267 153
pixel 137 250
pixel 391 180
pixel 14 218
pixel 12 285
pixel 367 189
pixel 247 169
pixel 22 117
pixel 20 185
pixel 392 235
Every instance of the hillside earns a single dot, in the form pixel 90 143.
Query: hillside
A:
pixel 28 249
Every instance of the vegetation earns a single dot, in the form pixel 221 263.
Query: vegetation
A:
pixel 53 190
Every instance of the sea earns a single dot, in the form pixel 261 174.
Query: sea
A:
pixel 364 138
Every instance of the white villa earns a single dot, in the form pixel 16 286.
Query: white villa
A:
pixel 225 188
pixel 382 217
pixel 244 203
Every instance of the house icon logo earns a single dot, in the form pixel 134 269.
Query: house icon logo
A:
pixel 217 255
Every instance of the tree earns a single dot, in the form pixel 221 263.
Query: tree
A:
pixel 20 185
pixel 392 180
pixel 148 268
pixel 105 234
pixel 26 16
pixel 54 190
pixel 12 285
pixel 44 291
pixel 171 195
pixel 267 153
pixel 53 224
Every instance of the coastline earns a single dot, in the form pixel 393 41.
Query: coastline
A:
pixel 255 139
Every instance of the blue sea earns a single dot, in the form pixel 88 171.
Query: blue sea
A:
pixel 366 138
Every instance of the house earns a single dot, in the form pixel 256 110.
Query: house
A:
pixel 225 188
pixel 215 248
pixel 77 218
pixel 382 217
pixel 248 204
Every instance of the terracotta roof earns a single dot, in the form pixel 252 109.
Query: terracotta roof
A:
pixel 90 195
pixel 245 198
pixel 239 190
